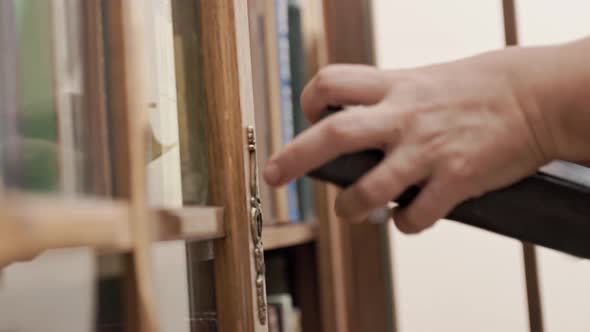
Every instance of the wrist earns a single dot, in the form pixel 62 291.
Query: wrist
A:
pixel 556 79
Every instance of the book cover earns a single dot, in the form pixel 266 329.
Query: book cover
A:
pixel 286 106
pixel 274 114
pixel 305 192
pixel 273 318
pixel 284 305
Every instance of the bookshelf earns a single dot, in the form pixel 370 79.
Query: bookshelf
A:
pixel 178 104
pixel 277 237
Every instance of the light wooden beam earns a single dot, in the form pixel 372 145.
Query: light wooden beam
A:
pixel 277 237
pixel 32 224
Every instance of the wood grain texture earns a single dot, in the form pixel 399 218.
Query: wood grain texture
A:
pixel 334 300
pixel 528 250
pixel 227 71
pixel 35 223
pixel 368 265
pixel 282 236
pixel 333 297
pixel 99 180
pixel 126 32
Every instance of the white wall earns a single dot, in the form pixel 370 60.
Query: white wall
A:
pixel 452 277
pixel 564 281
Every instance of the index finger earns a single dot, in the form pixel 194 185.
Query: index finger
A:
pixel 339 85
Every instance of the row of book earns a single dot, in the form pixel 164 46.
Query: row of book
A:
pixel 61 131
pixel 283 313
pixel 279 75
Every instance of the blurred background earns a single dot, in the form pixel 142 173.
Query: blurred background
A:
pixel 454 277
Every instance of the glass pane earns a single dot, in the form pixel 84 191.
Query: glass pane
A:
pixel 42 91
pixel 49 145
pixel 192 113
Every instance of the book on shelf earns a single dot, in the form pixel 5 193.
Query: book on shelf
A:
pixel 286 95
pixel 261 107
pixel 305 191
pixel 283 202
pixel 273 318
pixel 289 317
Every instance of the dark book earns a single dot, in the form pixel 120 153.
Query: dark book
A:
pixel 305 191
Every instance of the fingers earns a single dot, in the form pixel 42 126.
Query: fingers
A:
pixel 339 85
pixel 388 180
pixel 434 202
pixel 353 129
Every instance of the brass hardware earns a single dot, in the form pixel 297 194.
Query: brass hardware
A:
pixel 256 228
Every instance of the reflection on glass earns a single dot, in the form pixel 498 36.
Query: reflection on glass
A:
pixel 42 87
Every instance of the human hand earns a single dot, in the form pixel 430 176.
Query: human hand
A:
pixel 459 130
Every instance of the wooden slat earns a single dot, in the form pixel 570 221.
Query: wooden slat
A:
pixel 32 224
pixel 333 298
pixel 227 71
pixel 367 271
pixel 135 128
pixel 528 250
pixel 282 236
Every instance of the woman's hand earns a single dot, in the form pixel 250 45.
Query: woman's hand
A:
pixel 459 130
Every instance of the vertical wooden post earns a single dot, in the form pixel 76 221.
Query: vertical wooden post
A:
pixel 367 261
pixel 129 107
pixel 528 250
pixel 332 261
pixel 227 72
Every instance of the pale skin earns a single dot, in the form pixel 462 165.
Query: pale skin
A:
pixel 459 129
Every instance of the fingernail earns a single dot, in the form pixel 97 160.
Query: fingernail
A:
pixel 272 174
pixel 379 216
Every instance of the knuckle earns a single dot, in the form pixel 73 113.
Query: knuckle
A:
pixel 325 80
pixel 460 169
pixel 367 195
pixel 338 130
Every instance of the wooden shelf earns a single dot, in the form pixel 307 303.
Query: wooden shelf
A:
pixel 35 223
pixel 288 235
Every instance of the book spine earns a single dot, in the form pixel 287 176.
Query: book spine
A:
pixel 305 190
pixel 282 22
